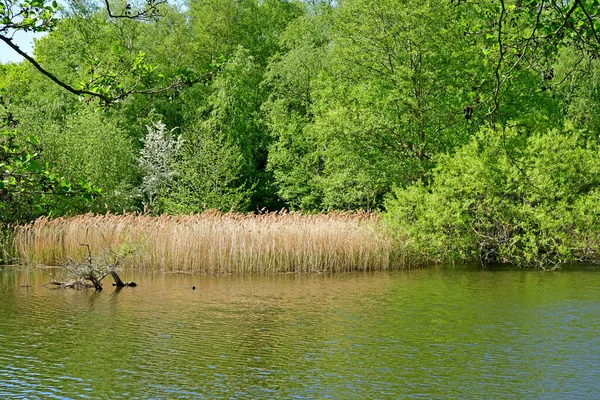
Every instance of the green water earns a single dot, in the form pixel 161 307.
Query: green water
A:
pixel 441 333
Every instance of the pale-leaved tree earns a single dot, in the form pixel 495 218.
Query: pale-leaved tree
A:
pixel 156 161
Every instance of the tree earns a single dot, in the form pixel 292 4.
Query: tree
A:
pixel 385 88
pixel 157 161
pixel 89 145
pixel 528 36
pixel 43 16
pixel 291 77
pixel 27 184
pixel 209 174
pixel 525 199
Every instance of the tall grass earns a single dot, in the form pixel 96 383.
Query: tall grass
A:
pixel 214 242
pixel 7 251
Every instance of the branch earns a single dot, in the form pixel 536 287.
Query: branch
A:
pixel 179 83
pixel 51 76
pixel 499 64
pixel 566 18
pixel 589 18
pixel 570 72
pixel 145 13
pixel 527 41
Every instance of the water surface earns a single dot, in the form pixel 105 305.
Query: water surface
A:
pixel 437 333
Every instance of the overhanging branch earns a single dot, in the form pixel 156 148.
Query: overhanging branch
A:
pixel 51 76
pixel 177 84
pixel 149 11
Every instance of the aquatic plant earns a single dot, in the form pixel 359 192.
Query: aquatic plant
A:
pixel 215 242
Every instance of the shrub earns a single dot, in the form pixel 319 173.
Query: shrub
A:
pixel 529 200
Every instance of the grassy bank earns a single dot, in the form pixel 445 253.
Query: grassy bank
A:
pixel 214 242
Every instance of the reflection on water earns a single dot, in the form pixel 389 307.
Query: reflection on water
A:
pixel 443 333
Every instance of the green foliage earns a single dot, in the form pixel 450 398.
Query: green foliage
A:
pixel 293 154
pixel 28 187
pixel 27 16
pixel 210 174
pixel 233 108
pixel 90 146
pixel 366 94
pixel 580 91
pixel 234 103
pixel 318 105
pixel 220 26
pixel 529 200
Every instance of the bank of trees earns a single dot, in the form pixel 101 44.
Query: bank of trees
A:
pixel 317 105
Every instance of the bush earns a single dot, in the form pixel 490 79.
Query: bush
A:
pixel 529 200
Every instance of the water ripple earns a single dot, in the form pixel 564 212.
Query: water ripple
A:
pixel 433 334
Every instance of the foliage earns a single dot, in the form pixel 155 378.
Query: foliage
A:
pixel 221 26
pixel 90 146
pixel 360 105
pixel 580 90
pixel 526 199
pixel 209 174
pixel 41 16
pixel 311 106
pixel 27 16
pixel 156 161
pixel 233 110
pixel 27 184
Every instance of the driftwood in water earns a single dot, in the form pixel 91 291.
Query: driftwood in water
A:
pixel 90 270
pixel 77 284
pixel 118 281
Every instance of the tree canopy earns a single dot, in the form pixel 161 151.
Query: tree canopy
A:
pixel 246 105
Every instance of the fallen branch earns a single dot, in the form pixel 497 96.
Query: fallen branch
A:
pixel 90 272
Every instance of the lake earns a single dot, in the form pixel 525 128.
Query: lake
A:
pixel 434 333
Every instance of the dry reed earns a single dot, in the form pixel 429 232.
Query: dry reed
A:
pixel 214 242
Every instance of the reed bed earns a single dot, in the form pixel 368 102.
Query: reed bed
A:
pixel 215 243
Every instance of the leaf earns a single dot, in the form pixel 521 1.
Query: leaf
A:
pixel 34 166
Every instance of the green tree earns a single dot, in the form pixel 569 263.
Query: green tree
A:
pixel 90 146
pixel 293 154
pixel 234 109
pixel 221 26
pixel 391 91
pixel 28 188
pixel 522 40
pixel 43 16
pixel 209 175
pixel 525 199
